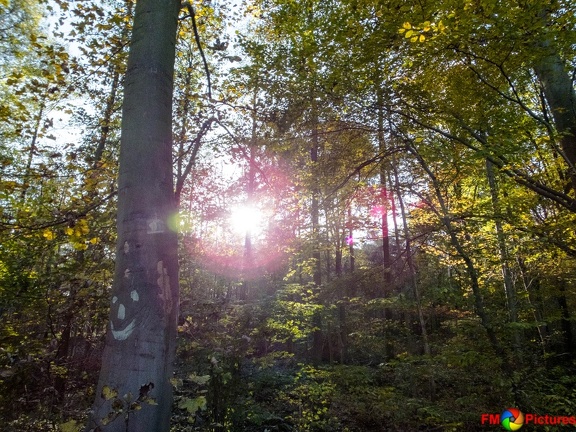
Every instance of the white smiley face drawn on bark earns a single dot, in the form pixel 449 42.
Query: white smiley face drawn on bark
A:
pixel 118 332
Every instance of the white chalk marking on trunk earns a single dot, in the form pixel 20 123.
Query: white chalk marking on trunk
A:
pixel 155 226
pixel 121 311
pixel 121 335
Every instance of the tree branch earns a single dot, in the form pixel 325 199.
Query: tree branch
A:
pixel 192 15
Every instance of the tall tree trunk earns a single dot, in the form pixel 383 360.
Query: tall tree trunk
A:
pixel 33 148
pixel 509 288
pixel 351 241
pixel 248 258
pixel 411 265
pixel 444 216
pixel 338 252
pixel 558 86
pixel 534 297
pixel 134 392
pixel 107 118
pixel 566 320
pixel 314 211
pixel 114 69
pixel 317 335
pixel 386 260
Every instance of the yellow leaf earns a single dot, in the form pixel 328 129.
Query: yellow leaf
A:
pixel 402 30
pixel 414 39
pixel 83 226
pixel 79 246
pixel 48 235
pixel 69 426
pixel 69 231
pixel 407 25
pixel 422 38
pixel 94 240
pixel 409 33
pixel 108 393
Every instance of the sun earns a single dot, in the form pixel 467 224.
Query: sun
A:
pixel 246 219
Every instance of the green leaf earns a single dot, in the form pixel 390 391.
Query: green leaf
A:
pixel 200 380
pixel 193 405
pixel 108 393
pixel 69 426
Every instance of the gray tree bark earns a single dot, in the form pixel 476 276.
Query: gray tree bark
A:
pixel 134 392
pixel 561 97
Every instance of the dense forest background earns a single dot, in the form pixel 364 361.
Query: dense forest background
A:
pixel 377 211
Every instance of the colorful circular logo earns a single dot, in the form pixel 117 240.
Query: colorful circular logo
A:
pixel 512 419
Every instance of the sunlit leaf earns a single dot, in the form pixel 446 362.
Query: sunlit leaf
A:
pixel 108 393
pixel 69 426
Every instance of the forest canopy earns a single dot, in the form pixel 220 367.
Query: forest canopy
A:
pixel 361 214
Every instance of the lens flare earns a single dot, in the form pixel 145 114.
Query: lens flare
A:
pixel 246 219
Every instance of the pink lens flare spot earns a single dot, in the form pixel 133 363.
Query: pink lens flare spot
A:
pixel 349 240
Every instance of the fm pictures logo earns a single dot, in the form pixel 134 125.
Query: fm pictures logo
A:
pixel 513 419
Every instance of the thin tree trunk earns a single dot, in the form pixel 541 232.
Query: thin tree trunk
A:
pixel 351 241
pixel 248 260
pixel 32 150
pixel 566 319
pixel 134 392
pixel 107 118
pixel 444 216
pixel 343 331
pixel 532 288
pixel 509 288
pixel 386 260
pixel 314 211
pixel 338 255
pixel 411 266
pixel 111 99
